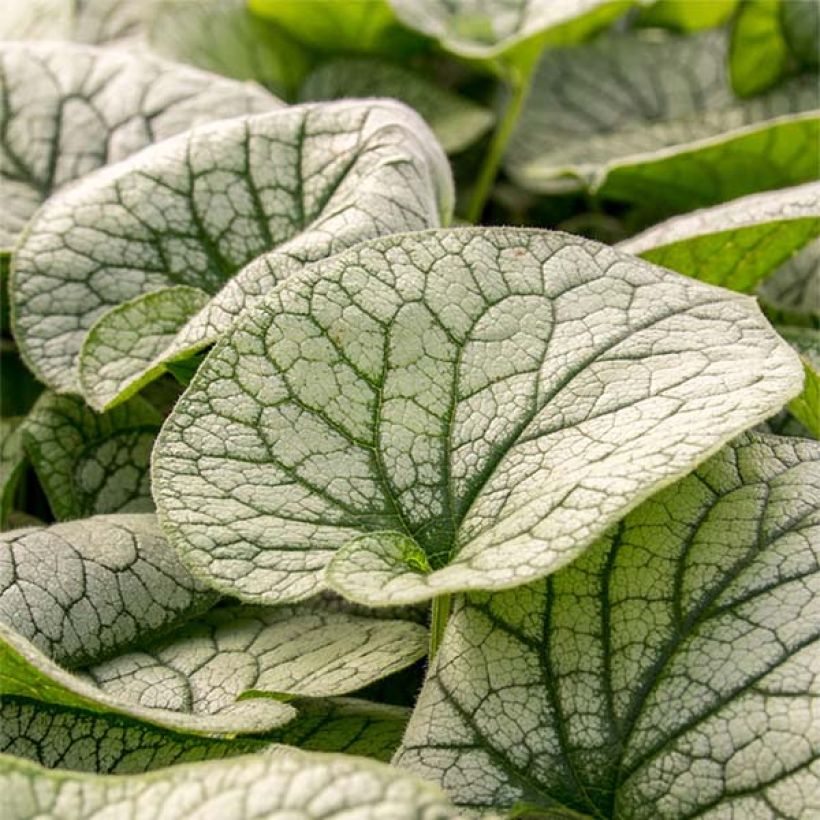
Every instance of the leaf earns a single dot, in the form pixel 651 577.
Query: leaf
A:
pixel 12 464
pixel 303 182
pixel 795 286
pixel 456 121
pixel 118 102
pixel 237 652
pixel 85 590
pixel 801 28
pixel 806 406
pixel 506 34
pixel 758 53
pixel 686 15
pixel 735 245
pixel 452 410
pixel 28 673
pixel 652 119
pixel 288 783
pixel 224 37
pixel 671 671
pixel 112 363
pixel 334 26
pixel 108 744
pixel 89 463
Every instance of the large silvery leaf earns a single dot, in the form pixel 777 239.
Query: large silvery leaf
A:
pixel 301 651
pixel 452 410
pixel 282 784
pixel 84 590
pixel 653 120
pixel 65 738
pixel 509 32
pixel 456 121
pixel 68 109
pixel 224 37
pixel 302 183
pixel 671 671
pixel 91 463
pixel 736 244
pixel 26 672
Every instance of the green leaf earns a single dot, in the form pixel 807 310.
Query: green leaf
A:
pixel 735 245
pixel 282 652
pixel 758 53
pixel 89 463
pixel 800 20
pixel 302 183
pixel 456 121
pixel 686 15
pixel 64 738
pixel 339 26
pixel 112 364
pixel 288 783
pixel 794 287
pixel 224 37
pixel 12 463
pixel 510 34
pixel 28 673
pixel 671 671
pixel 88 107
pixel 85 590
pixel 452 410
pixel 652 119
pixel 806 406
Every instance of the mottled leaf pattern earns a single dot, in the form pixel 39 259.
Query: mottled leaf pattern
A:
pixel 84 590
pixel 671 671
pixel 452 410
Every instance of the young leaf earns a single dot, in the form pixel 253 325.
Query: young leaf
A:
pixel 287 783
pixel 28 673
pixel 112 363
pixel 224 37
pixel 806 406
pixel 301 651
pixel 69 109
pixel 653 120
pixel 452 410
pixel 758 53
pixel 737 244
pixel 306 181
pixel 456 121
pixel 671 671
pixel 85 590
pixel 686 15
pixel 60 737
pixel 89 463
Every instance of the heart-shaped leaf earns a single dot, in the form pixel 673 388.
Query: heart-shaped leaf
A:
pixel 307 181
pixel 452 410
pixel 287 783
pixel 84 590
pixel 736 244
pixel 671 671
pixel 68 109
pixel 653 120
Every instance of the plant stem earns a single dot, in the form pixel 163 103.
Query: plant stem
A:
pixel 440 616
pixel 519 86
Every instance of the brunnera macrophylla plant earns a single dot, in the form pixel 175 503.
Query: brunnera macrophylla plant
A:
pixel 408 409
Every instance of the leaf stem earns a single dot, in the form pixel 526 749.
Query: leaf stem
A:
pixel 438 621
pixel 518 87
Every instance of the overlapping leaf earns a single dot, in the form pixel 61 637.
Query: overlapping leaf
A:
pixel 456 121
pixel 306 181
pixel 794 288
pixel 452 410
pixel 12 463
pixel 89 463
pixel 68 109
pixel 653 120
pixel 806 406
pixel 64 738
pixel 671 671
pixel 736 244
pixel 85 590
pixel 286 783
